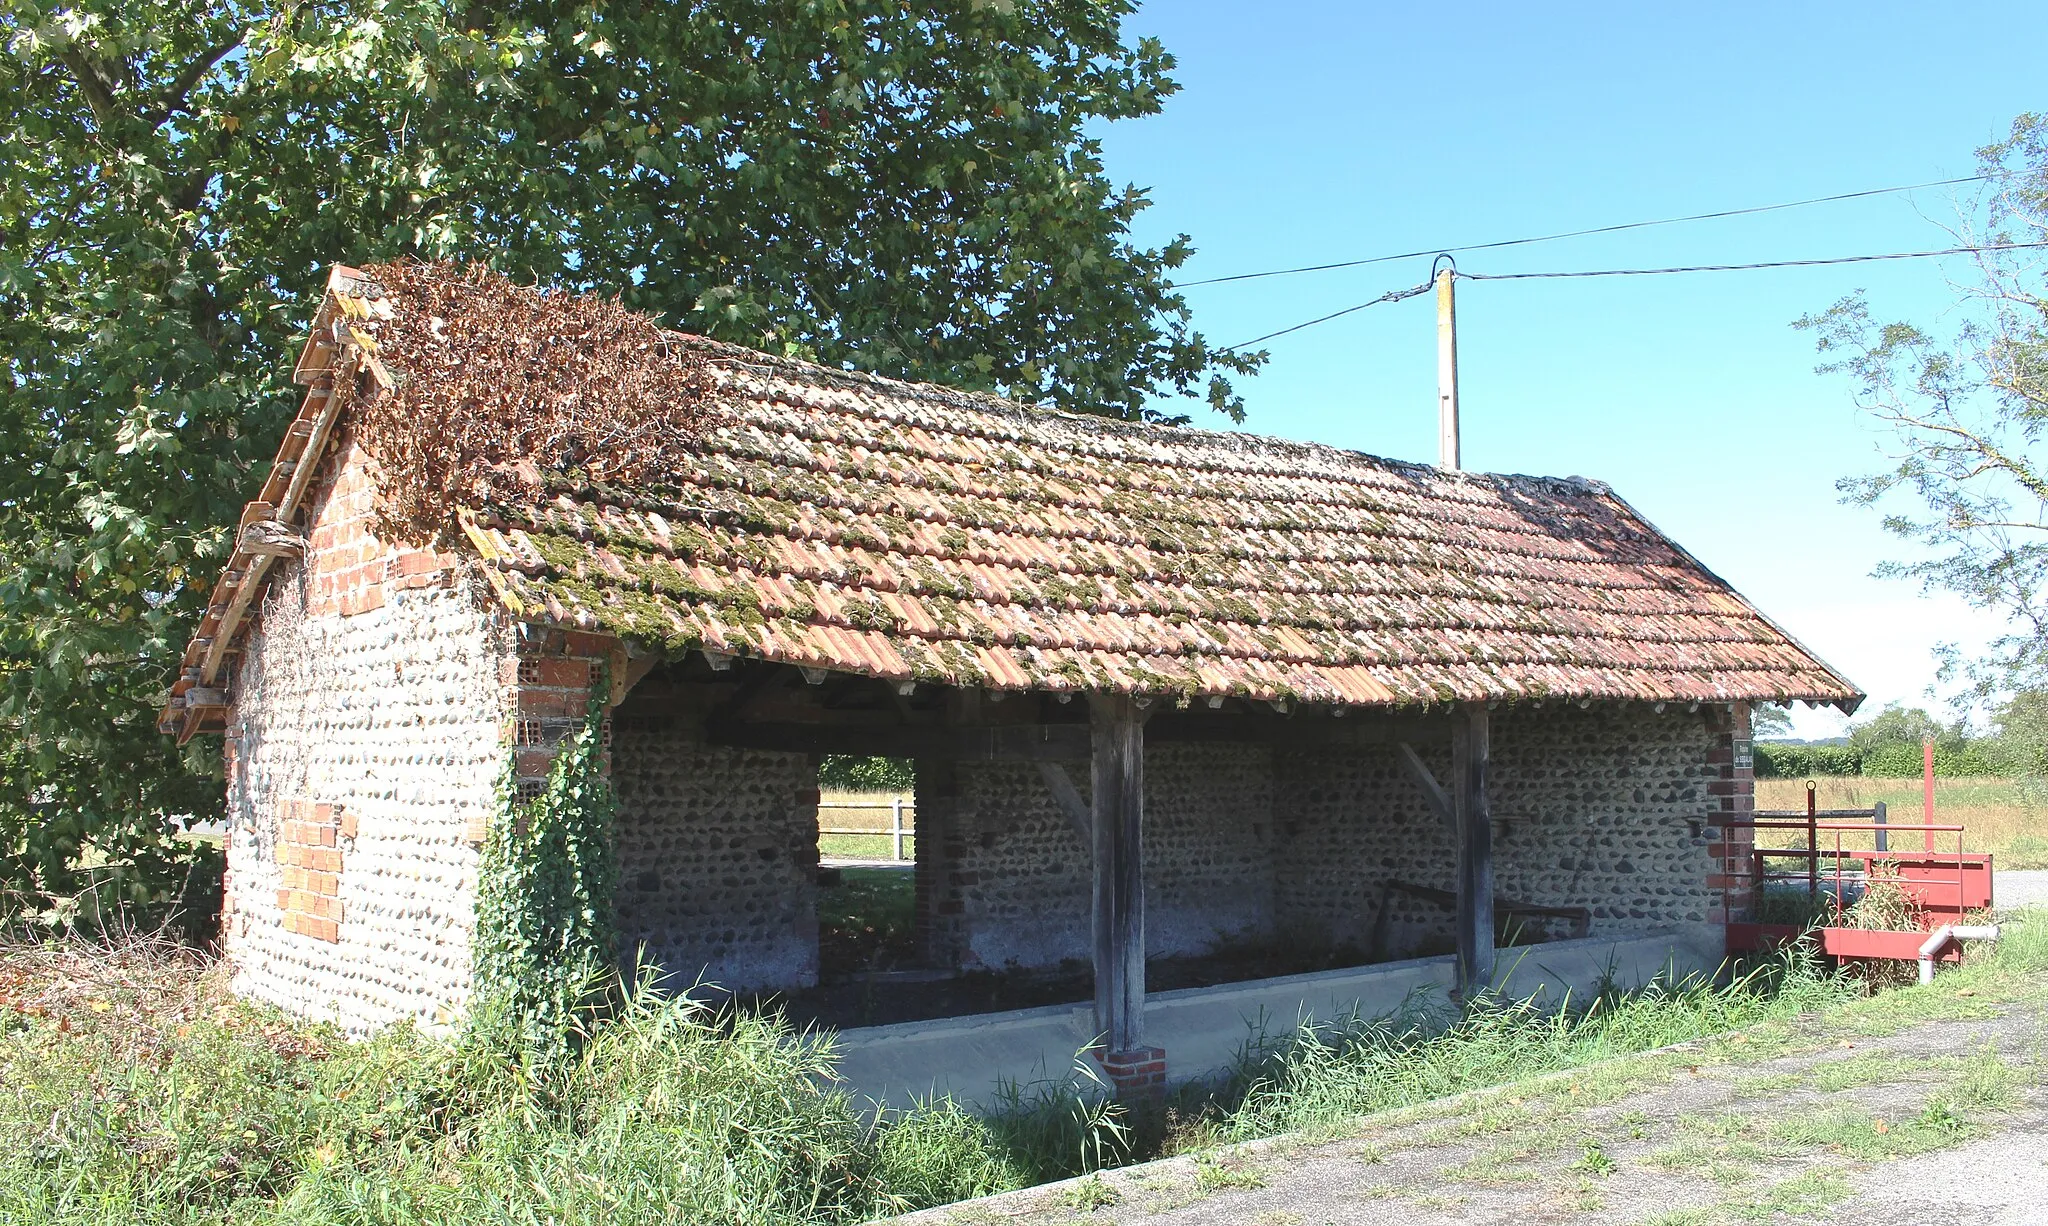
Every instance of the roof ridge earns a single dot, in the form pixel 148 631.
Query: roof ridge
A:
pixel 990 402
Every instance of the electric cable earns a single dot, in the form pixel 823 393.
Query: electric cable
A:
pixel 1840 259
pixel 1397 295
pixel 1546 238
pixel 1392 295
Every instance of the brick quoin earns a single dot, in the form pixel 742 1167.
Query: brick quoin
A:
pixel 1731 800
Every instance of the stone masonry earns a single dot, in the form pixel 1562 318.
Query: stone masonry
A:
pixel 1612 808
pixel 718 855
pixel 363 751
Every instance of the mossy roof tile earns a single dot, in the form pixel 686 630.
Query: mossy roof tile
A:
pixel 903 530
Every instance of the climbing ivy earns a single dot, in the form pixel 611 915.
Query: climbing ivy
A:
pixel 545 942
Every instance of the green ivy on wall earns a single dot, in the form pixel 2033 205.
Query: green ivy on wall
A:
pixel 546 942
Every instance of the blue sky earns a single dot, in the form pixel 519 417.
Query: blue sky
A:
pixel 1309 132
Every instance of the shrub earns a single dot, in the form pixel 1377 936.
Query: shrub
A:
pixel 852 774
pixel 1778 761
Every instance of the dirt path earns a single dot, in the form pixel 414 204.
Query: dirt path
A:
pixel 1856 1121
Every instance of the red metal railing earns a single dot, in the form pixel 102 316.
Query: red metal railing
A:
pixel 1941 886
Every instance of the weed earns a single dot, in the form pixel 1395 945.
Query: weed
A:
pixel 1587 1198
pixel 1983 1081
pixel 1594 1161
pixel 1088 1195
pixel 1870 1069
pixel 1858 1133
pixel 1215 1173
pixel 1503 1164
pixel 1805 1195
pixel 1326 1074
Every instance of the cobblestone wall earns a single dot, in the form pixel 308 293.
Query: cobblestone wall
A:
pixel 1603 807
pixel 718 856
pixel 392 716
pixel 364 743
pixel 1017 871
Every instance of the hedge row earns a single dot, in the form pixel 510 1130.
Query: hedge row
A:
pixel 1892 761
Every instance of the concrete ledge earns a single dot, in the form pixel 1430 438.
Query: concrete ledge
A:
pixel 1204 1030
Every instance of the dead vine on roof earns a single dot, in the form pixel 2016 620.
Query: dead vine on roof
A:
pixel 497 382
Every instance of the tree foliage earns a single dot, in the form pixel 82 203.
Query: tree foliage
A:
pixel 903 187
pixel 1968 474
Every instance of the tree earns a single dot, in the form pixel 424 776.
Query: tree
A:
pixel 1770 719
pixel 1901 725
pixel 906 188
pixel 1965 415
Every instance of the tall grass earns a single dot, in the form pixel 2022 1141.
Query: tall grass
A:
pixel 133 1089
pixel 121 1108
pixel 1326 1075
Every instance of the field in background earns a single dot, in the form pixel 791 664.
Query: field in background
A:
pixel 864 811
pixel 1999 819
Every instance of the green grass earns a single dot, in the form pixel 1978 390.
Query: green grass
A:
pixel 865 846
pixel 132 1089
pixel 1324 1078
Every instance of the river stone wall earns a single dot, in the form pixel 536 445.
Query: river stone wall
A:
pixel 375 741
pixel 1018 889
pixel 1603 807
pixel 718 856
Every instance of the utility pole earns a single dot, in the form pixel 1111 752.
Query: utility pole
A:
pixel 1447 366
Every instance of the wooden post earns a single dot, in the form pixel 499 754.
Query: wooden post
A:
pixel 1119 816
pixel 1927 793
pixel 896 828
pixel 1877 817
pixel 1470 748
pixel 1812 845
pixel 1447 370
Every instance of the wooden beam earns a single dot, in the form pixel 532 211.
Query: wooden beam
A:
pixel 1118 734
pixel 1061 785
pixel 1470 749
pixel 1432 791
pixel 1013 743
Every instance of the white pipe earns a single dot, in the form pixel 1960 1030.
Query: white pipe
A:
pixel 1932 947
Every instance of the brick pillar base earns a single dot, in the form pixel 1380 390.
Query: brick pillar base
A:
pixel 1136 1075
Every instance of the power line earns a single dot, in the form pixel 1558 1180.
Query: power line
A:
pixel 1840 259
pixel 1392 295
pixel 1547 238
pixel 1397 295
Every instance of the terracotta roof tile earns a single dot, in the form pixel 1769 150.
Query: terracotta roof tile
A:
pixel 904 531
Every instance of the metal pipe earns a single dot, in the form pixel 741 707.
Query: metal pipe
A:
pixel 1942 936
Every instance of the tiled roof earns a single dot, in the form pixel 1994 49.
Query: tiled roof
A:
pixel 845 522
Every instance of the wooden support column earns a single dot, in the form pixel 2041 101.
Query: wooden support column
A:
pixel 1118 819
pixel 1470 748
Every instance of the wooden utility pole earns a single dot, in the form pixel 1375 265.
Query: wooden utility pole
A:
pixel 1447 368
